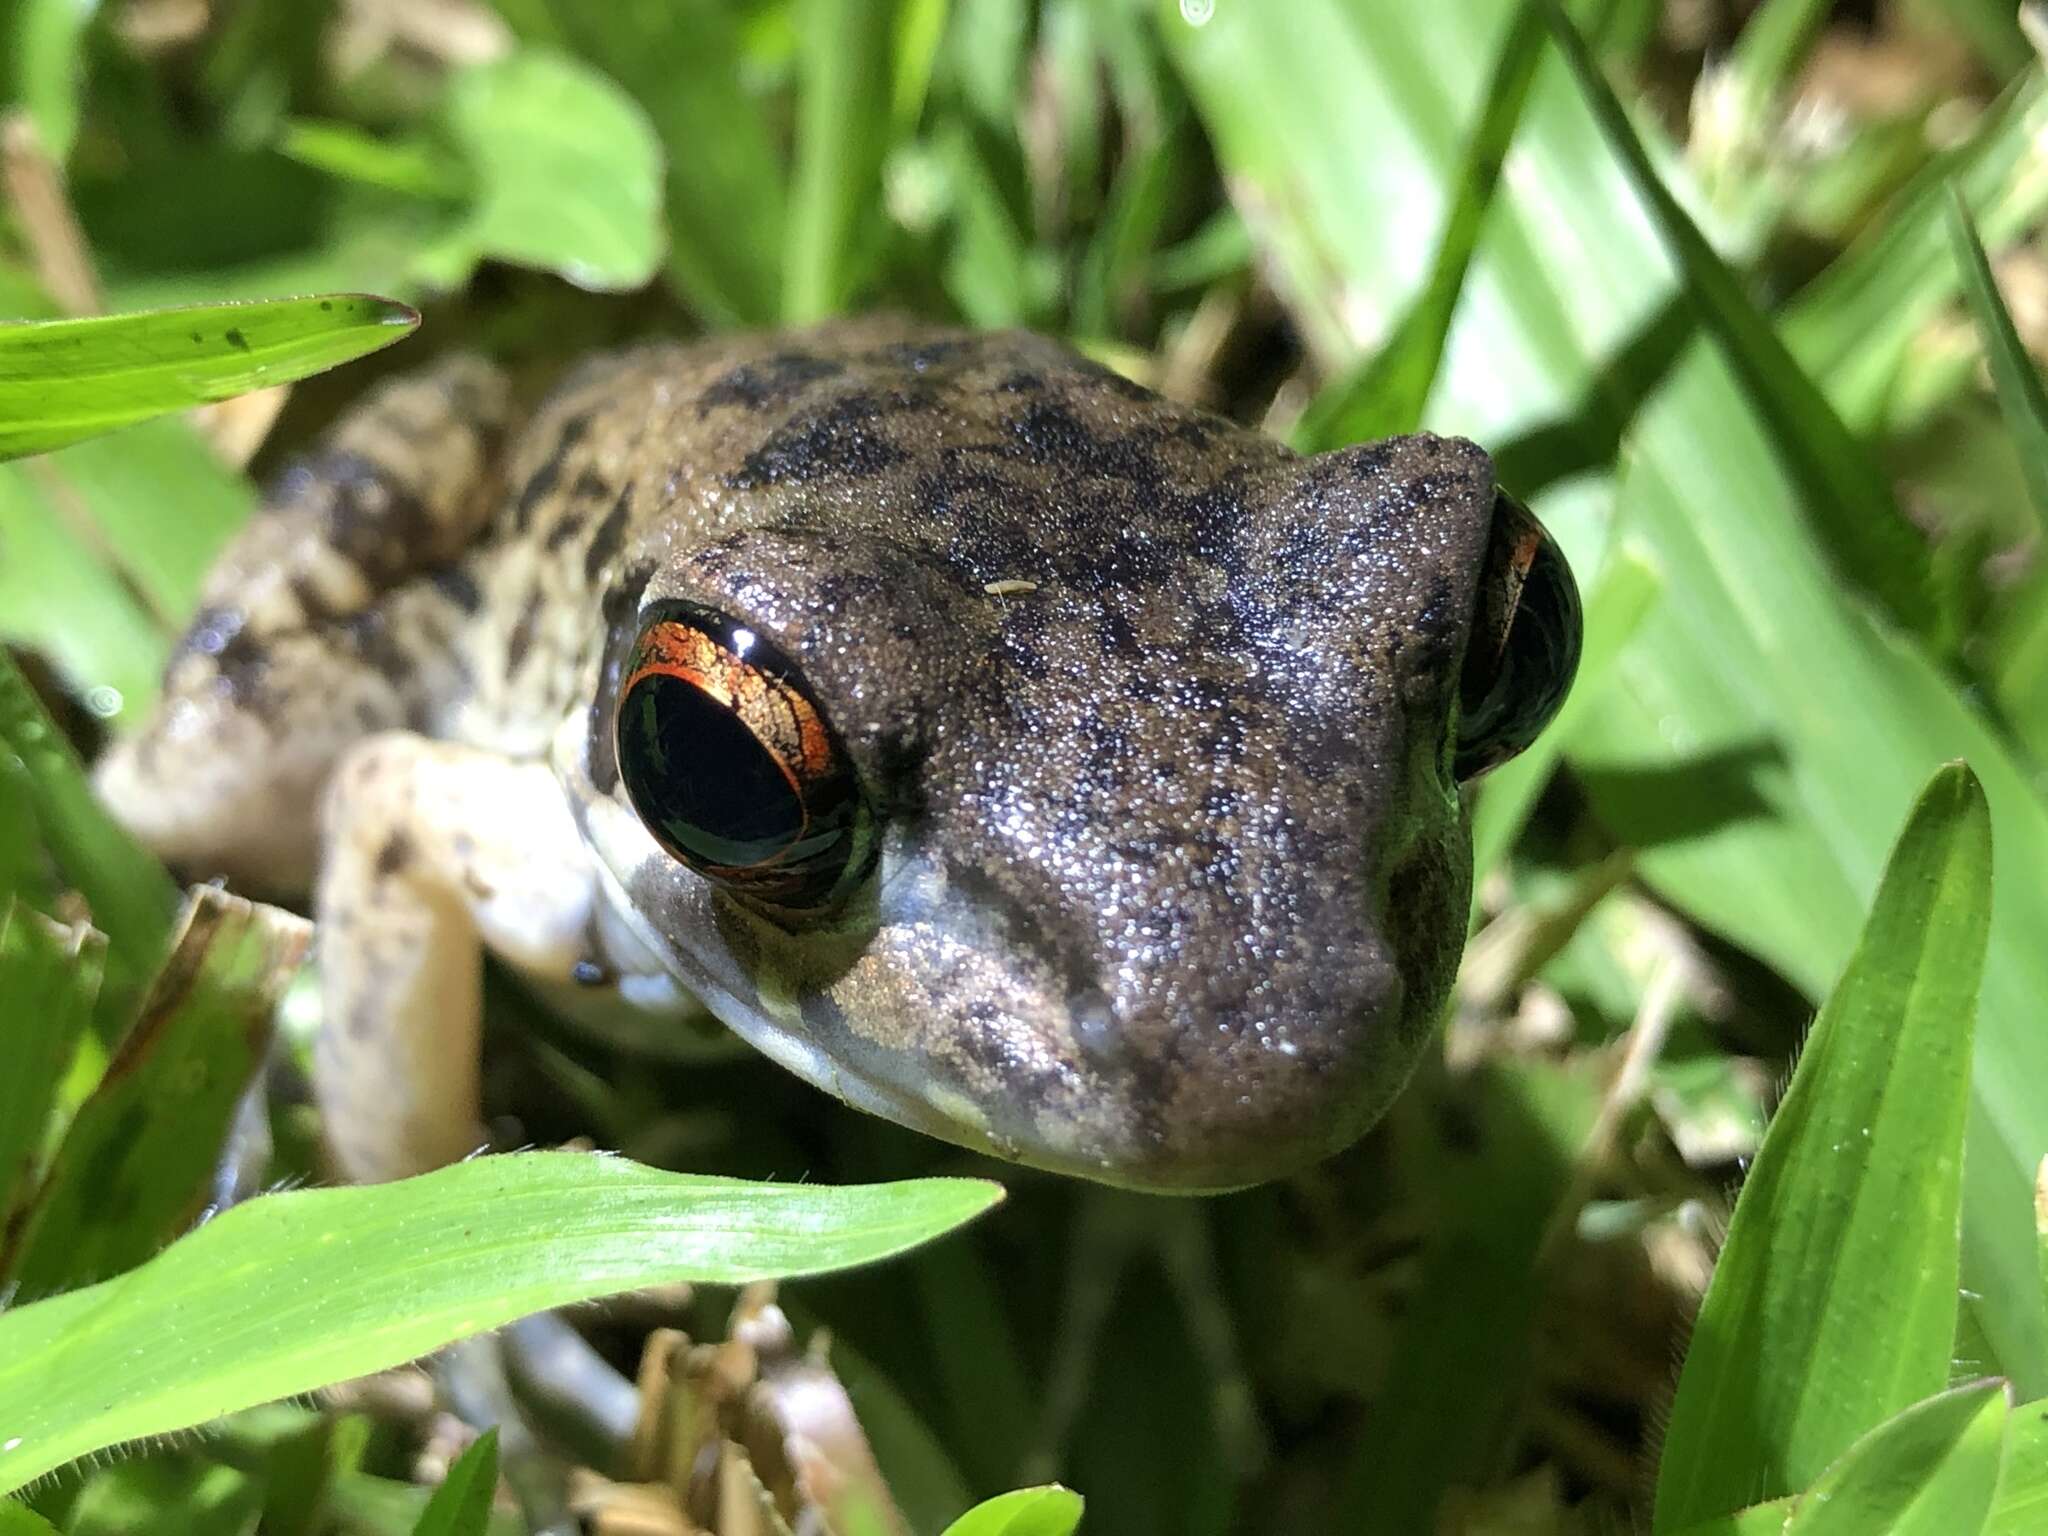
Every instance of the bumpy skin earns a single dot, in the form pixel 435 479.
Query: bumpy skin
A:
pixel 1156 715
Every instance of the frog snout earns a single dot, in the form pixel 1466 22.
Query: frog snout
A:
pixel 1176 1021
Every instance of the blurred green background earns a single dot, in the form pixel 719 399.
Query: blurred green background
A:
pixel 1812 560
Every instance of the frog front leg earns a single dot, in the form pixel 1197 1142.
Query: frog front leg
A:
pixel 433 852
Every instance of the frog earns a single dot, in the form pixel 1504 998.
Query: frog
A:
pixel 1062 771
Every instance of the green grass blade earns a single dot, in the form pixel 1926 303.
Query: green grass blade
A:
pixel 1386 397
pixel 131 898
pixel 1740 96
pixel 47 48
pixel 135 1167
pixel 1992 27
pixel 2041 1223
pixel 1461 1358
pixel 122 529
pixel 1758 1520
pixel 461 1506
pixel 363 1505
pixel 1047 1511
pixel 2021 1508
pixel 1930 1471
pixel 19 1520
pixel 725 180
pixel 567 172
pixel 2021 399
pixel 1848 496
pixel 1857 325
pixel 920 28
pixel 843 111
pixel 290 1292
pixel 1833 1303
pixel 1773 42
pixel 49 976
pixel 61 380
pixel 188 1495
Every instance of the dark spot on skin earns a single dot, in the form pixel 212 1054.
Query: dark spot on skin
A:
pixel 541 483
pixel 236 339
pixel 606 537
pixel 841 442
pixel 589 489
pixel 774 382
pixel 521 641
pixel 1023 382
pixel 1048 433
pixel 393 857
pixel 1118 637
pixel 366 515
pixel 459 587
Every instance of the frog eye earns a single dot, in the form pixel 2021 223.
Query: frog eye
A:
pixel 731 765
pixel 1524 645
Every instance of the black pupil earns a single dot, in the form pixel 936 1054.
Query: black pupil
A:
pixel 701 779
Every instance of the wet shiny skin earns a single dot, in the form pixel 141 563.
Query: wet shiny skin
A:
pixel 1153 725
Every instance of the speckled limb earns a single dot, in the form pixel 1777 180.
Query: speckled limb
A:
pixel 418 879
pixel 325 620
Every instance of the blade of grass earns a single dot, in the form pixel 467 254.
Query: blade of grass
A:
pixel 920 27
pixel 290 1292
pixel 61 380
pixel 142 512
pixel 1930 1471
pixel 1855 325
pixel 843 107
pixel 2021 399
pixel 379 1506
pixel 1850 499
pixel 1734 104
pixel 1993 29
pixel 48 51
pixel 2041 1222
pixel 1385 398
pixel 461 1506
pixel 49 976
pixel 567 172
pixel 131 898
pixel 2021 1508
pixel 1048 1511
pixel 1833 1303
pixel 19 1520
pixel 1773 42
pixel 185 1494
pixel 1758 1520
pixel 725 181
pixel 1461 1357
pixel 135 1167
